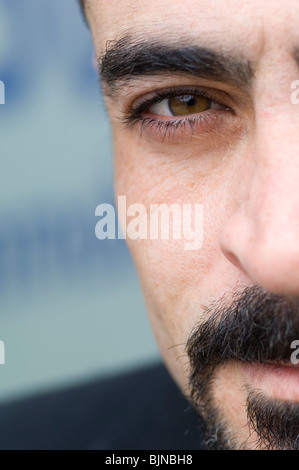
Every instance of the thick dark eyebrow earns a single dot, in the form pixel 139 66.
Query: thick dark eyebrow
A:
pixel 125 60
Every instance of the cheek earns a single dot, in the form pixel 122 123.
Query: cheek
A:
pixel 177 283
pixel 174 280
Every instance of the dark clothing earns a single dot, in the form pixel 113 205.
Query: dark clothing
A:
pixel 140 410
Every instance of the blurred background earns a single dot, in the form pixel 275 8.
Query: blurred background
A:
pixel 71 308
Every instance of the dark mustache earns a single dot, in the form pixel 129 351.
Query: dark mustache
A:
pixel 257 326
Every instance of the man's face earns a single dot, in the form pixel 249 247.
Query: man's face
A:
pixel 199 97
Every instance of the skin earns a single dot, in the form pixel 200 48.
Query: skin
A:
pixel 245 171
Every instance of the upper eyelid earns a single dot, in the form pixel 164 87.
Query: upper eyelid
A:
pixel 171 95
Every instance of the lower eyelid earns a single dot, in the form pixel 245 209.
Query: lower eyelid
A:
pixel 211 113
pixel 177 129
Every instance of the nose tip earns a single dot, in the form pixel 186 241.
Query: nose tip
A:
pixel 270 260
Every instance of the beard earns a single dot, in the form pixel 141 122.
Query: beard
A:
pixel 256 327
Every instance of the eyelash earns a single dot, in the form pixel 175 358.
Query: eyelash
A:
pixel 168 127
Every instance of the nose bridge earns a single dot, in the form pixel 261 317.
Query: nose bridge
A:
pixel 262 236
pixel 276 155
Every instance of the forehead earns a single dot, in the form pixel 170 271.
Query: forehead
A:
pixel 249 25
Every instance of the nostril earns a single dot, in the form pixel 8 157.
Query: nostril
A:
pixel 234 260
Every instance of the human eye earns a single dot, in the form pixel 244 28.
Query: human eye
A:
pixel 182 110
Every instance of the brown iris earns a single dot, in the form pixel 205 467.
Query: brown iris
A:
pixel 188 104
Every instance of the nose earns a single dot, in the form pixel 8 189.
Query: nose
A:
pixel 261 235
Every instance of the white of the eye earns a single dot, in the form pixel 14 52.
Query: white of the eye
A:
pixel 161 108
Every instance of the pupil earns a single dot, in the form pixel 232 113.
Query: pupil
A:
pixel 188 100
pixel 183 105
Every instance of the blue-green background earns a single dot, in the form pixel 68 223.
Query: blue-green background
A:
pixel 70 305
